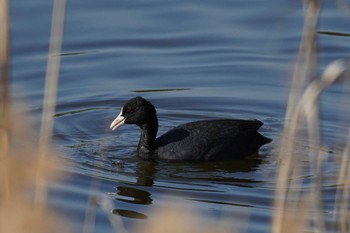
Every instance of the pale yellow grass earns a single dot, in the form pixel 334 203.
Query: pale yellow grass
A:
pixel 303 121
pixel 19 212
pixel 24 162
pixel 26 168
pixel 180 219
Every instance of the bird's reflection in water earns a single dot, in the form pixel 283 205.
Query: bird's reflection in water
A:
pixel 129 214
pixel 133 195
pixel 147 172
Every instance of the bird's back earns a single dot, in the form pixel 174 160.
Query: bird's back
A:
pixel 211 140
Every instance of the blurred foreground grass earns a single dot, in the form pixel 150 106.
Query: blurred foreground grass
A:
pixel 25 167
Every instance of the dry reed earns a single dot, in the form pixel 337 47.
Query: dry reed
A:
pixel 19 211
pixel 179 219
pixel 23 168
pixel 21 163
pixel 49 105
pixel 4 87
pixel 303 112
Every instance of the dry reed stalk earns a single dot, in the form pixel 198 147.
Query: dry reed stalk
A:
pixel 4 50
pixel 306 58
pixel 178 220
pixel 303 69
pixel 308 108
pixel 343 195
pixel 19 160
pixel 341 210
pixel 303 110
pixel 4 96
pixel 50 91
pixel 18 210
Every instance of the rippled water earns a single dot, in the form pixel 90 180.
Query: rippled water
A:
pixel 194 60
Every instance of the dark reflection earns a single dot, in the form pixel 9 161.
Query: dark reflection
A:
pixel 129 214
pixel 146 171
pixel 329 33
pixel 134 195
pixel 236 172
pixel 231 166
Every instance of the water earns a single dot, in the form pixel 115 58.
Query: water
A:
pixel 194 60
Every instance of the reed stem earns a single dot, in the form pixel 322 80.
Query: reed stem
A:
pixel 50 92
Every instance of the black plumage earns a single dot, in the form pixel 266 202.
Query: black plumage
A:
pixel 200 140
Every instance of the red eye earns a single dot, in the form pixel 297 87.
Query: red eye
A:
pixel 128 109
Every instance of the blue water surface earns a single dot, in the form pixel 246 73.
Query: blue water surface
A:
pixel 194 60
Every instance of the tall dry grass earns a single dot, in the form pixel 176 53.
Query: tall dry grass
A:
pixel 19 169
pixel 4 87
pixel 25 167
pixel 296 211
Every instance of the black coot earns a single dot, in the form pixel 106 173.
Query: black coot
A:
pixel 200 140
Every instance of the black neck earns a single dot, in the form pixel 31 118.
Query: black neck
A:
pixel 148 136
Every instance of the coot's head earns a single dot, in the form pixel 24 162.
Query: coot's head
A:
pixel 136 111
